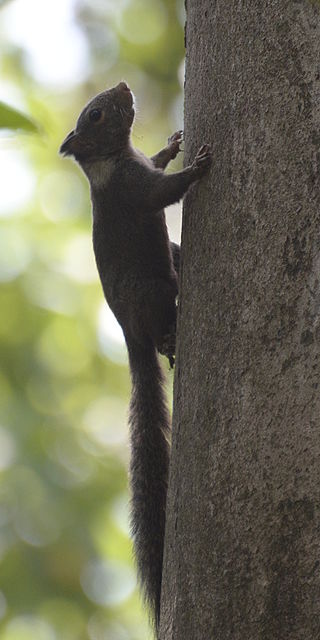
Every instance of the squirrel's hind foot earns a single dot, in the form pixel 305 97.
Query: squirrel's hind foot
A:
pixel 168 346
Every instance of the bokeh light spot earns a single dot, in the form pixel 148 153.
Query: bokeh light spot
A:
pixel 102 629
pixel 15 254
pixel 74 467
pixel 120 514
pixel 56 49
pixel 51 291
pixel 107 583
pixel 15 170
pixel 28 628
pixel 35 520
pixel 79 262
pixel 110 335
pixel 105 420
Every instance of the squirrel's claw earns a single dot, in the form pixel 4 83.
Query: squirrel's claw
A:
pixel 174 143
pixel 203 159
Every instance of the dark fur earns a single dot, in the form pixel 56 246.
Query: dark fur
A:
pixel 138 270
pixel 149 427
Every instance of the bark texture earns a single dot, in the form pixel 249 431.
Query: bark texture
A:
pixel 242 557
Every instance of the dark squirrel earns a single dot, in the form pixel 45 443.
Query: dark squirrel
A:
pixel 138 269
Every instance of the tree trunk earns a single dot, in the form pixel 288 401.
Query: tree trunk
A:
pixel 242 557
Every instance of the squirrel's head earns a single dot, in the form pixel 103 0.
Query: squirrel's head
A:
pixel 103 127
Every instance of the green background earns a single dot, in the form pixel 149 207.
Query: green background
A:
pixel 66 569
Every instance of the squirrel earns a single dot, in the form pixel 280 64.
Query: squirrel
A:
pixel 138 269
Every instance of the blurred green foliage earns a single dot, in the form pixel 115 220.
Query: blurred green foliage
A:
pixel 66 563
pixel 13 119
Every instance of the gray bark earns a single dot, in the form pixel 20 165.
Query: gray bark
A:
pixel 242 556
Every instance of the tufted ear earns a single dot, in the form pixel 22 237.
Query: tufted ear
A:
pixel 68 146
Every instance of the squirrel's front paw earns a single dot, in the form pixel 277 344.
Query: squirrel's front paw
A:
pixel 174 143
pixel 202 161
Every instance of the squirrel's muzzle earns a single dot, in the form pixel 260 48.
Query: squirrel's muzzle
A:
pixel 67 146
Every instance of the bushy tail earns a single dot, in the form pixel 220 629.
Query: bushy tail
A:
pixel 149 432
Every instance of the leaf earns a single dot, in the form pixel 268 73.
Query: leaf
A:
pixel 10 118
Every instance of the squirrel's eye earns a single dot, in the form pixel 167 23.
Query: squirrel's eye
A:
pixel 95 115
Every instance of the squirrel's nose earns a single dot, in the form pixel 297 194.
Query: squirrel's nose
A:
pixel 123 86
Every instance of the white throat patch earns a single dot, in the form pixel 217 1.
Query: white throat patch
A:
pixel 99 172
